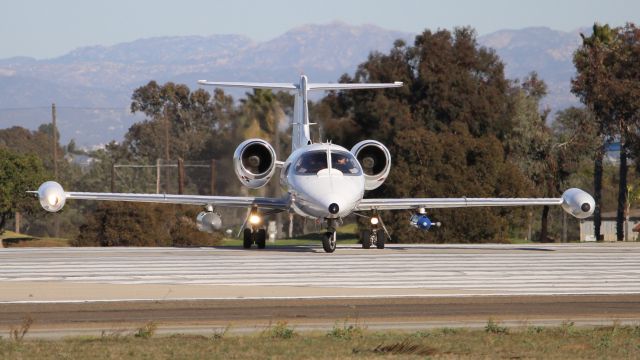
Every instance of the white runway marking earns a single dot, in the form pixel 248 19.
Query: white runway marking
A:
pixel 456 269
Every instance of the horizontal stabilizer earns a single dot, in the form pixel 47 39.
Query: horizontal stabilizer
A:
pixel 310 86
pixel 254 85
pixel 320 86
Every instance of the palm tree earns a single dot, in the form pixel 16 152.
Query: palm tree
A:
pixel 590 87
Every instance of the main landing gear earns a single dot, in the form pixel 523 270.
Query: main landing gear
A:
pixel 373 237
pixel 376 236
pixel 255 233
pixel 251 236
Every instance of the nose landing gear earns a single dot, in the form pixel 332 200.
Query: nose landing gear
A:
pixel 330 237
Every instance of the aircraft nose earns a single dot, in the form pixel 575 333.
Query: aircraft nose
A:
pixel 334 208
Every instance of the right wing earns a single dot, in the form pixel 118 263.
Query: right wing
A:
pixel 225 201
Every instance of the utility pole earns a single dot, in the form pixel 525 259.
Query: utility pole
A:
pixel 212 167
pixel 180 176
pixel 55 141
pixel 113 177
pixel 17 222
pixel 56 221
pixel 166 148
pixel 158 163
pixel 564 226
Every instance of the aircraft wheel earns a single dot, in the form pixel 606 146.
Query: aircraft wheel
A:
pixel 329 241
pixel 248 239
pixel 380 239
pixel 366 239
pixel 261 238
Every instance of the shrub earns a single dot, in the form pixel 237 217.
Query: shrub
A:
pixel 134 224
pixel 494 328
pixel 280 330
pixel 346 331
pixel 147 330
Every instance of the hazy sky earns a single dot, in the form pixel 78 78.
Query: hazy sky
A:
pixel 50 28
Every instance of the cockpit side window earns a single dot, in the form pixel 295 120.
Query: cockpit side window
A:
pixel 345 162
pixel 310 163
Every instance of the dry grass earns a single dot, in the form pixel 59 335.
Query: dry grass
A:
pixel 564 342
pixel 12 239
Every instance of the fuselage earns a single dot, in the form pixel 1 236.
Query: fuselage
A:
pixel 323 181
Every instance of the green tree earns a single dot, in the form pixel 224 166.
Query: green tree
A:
pixel 592 61
pixel 445 129
pixel 18 174
pixel 181 123
pixel 39 143
pixel 530 145
pixel 608 82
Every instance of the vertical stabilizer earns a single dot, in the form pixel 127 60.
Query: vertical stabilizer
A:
pixel 301 133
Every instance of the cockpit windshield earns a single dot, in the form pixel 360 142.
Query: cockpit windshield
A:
pixel 345 162
pixel 311 162
pixel 314 161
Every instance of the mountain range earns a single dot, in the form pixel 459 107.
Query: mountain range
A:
pixel 91 86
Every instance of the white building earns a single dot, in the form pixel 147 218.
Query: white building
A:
pixel 608 227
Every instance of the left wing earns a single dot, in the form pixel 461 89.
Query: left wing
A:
pixel 438 203
pixel 53 197
pixel 574 201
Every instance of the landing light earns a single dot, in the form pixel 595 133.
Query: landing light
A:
pixel 374 220
pixel 52 200
pixel 254 219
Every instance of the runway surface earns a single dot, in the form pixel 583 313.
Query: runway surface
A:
pixel 221 273
pixel 82 290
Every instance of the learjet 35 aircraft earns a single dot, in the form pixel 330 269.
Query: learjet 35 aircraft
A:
pixel 322 181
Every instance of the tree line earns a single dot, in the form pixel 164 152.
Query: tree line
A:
pixel 458 127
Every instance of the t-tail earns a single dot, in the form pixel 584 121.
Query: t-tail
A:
pixel 301 135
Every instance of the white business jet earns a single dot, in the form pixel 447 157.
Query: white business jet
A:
pixel 321 181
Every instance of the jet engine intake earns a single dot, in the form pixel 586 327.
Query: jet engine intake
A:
pixel 254 162
pixel 208 221
pixel 51 196
pixel 375 160
pixel 578 203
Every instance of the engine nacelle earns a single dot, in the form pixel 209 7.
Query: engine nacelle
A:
pixel 51 196
pixel 254 162
pixel 578 203
pixel 375 160
pixel 208 221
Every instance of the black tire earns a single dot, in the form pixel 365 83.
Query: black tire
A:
pixel 261 238
pixel 248 239
pixel 366 239
pixel 380 239
pixel 329 242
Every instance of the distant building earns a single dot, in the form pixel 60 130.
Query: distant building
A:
pixel 608 227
